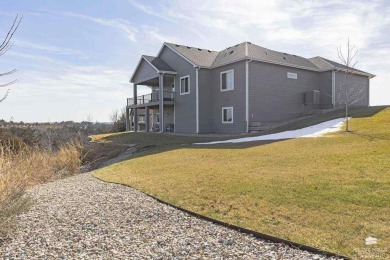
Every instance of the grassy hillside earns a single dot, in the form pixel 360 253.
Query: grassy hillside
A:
pixel 329 192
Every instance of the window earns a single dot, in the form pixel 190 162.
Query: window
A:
pixel 227 115
pixel 185 85
pixel 291 75
pixel 227 80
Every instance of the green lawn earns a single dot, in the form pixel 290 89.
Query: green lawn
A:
pixel 329 192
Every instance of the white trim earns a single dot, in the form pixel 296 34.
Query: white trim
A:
pixel 197 98
pixel 167 72
pixel 220 80
pixel 189 85
pixel 223 122
pixel 333 87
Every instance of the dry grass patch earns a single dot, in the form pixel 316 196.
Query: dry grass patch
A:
pixel 22 167
pixel 331 193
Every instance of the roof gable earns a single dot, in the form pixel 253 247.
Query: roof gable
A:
pixel 231 54
pixel 158 64
pixel 148 67
pixel 210 59
pixel 196 56
pixel 325 64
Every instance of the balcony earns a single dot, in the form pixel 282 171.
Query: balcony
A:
pixel 151 98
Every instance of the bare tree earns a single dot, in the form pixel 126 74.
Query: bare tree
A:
pixel 349 92
pixel 118 118
pixel 114 115
pixel 89 118
pixel 4 47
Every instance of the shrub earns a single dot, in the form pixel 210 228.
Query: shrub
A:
pixel 20 169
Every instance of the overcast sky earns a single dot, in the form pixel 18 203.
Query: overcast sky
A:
pixel 75 58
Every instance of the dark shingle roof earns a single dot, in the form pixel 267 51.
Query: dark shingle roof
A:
pixel 206 58
pixel 158 63
pixel 321 64
pixel 230 54
pixel 246 50
pixel 200 57
pixel 325 64
pixel 267 55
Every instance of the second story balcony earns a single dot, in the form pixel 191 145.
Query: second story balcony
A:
pixel 151 99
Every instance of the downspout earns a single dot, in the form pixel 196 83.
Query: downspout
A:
pixel 333 88
pixel 197 98
pixel 247 94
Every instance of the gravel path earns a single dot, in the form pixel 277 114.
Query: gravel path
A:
pixel 82 217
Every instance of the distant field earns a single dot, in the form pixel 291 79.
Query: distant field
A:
pixel 329 192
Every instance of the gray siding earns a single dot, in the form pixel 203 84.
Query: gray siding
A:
pixel 185 105
pixel 325 85
pixel 272 96
pixel 144 72
pixel 354 80
pixel 205 101
pixel 234 98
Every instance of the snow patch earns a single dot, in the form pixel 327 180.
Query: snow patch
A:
pixel 371 241
pixel 311 131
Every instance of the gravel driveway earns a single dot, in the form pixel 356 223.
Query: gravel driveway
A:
pixel 82 217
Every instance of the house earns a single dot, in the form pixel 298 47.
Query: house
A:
pixel 196 90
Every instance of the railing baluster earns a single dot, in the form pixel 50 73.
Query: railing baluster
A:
pixel 152 97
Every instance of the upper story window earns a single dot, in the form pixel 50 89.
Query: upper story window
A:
pixel 227 115
pixel 185 85
pixel 291 75
pixel 227 80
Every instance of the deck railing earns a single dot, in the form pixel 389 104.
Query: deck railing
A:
pixel 152 97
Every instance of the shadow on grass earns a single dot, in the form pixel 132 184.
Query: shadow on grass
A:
pixel 154 143
pixel 367 111
pixel 370 137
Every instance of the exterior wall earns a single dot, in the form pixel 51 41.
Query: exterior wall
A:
pixel 144 72
pixel 168 115
pixel 325 85
pixel 233 98
pixel 205 101
pixel 354 80
pixel 185 105
pixel 272 96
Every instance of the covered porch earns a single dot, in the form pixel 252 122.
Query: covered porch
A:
pixel 154 111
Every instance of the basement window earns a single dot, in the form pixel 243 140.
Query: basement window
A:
pixel 185 85
pixel 227 115
pixel 227 80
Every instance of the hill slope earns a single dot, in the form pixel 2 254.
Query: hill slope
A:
pixel 329 192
